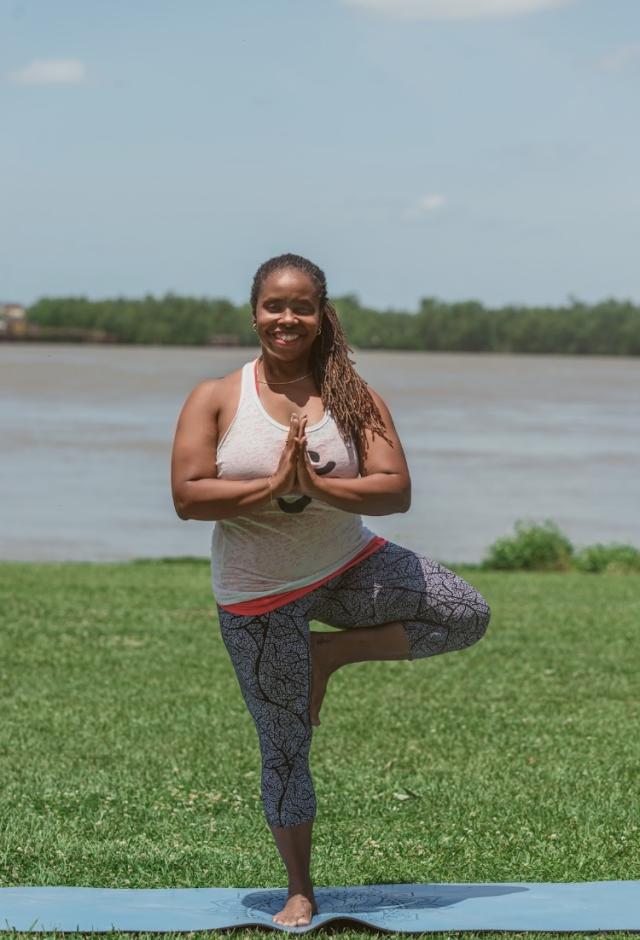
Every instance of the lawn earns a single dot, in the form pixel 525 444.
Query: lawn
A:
pixel 128 757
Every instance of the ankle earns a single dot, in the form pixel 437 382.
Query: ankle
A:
pixel 329 651
pixel 303 888
pixel 380 642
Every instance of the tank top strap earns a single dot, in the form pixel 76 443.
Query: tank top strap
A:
pixel 251 398
pixel 252 379
pixel 245 408
pixel 253 401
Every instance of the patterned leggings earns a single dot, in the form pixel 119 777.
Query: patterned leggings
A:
pixel 270 653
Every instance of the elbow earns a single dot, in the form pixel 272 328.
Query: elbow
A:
pixel 181 506
pixel 405 499
pixel 405 503
pixel 399 502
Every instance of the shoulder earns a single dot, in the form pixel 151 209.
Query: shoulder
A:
pixel 219 387
pixel 210 394
pixel 380 403
pixel 377 397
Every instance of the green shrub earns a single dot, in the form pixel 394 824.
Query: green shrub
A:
pixel 535 547
pixel 614 558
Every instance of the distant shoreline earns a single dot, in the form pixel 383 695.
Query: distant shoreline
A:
pixel 610 327
pixel 128 344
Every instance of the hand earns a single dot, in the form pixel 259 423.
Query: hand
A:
pixel 285 479
pixel 309 483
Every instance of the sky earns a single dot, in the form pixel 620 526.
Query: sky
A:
pixel 459 149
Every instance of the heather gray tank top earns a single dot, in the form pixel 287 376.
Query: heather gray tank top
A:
pixel 297 540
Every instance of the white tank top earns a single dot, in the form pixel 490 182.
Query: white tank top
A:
pixel 297 540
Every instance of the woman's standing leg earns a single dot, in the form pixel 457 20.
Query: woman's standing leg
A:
pixel 405 606
pixel 271 658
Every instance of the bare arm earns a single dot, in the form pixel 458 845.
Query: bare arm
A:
pixel 197 494
pixel 384 486
pixel 196 491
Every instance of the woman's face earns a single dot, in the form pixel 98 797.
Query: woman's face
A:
pixel 288 314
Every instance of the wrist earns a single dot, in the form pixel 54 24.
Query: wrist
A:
pixel 320 486
pixel 278 487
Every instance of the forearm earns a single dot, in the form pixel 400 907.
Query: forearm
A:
pixel 212 499
pixel 378 494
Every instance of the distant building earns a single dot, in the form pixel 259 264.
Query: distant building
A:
pixel 13 320
pixel 14 326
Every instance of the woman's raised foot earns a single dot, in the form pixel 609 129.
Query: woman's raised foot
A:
pixel 322 665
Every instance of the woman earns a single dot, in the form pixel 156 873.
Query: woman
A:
pixel 284 454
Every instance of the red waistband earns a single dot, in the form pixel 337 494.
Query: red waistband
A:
pixel 263 605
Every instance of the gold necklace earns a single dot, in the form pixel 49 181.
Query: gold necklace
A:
pixel 288 382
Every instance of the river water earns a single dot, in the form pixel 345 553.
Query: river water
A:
pixel 86 435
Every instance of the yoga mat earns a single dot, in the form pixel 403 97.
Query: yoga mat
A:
pixel 410 908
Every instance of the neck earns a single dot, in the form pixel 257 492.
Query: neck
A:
pixel 276 370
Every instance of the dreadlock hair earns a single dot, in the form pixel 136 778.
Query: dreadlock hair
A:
pixel 343 392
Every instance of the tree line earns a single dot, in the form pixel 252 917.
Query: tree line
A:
pixel 610 327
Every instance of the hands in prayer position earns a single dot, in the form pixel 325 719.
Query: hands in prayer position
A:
pixel 295 473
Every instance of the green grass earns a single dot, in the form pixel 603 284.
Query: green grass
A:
pixel 128 757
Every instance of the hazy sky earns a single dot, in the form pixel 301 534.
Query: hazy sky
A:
pixel 458 149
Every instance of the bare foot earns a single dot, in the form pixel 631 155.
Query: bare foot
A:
pixel 322 666
pixel 297 911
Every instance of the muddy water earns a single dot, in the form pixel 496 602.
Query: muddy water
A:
pixel 86 435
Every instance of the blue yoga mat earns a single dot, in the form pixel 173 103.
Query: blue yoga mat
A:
pixel 410 908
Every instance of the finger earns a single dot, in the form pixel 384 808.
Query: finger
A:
pixel 302 427
pixel 304 462
pixel 307 460
pixel 293 429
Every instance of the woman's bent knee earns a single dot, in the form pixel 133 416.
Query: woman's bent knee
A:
pixel 483 614
pixel 473 623
pixel 461 629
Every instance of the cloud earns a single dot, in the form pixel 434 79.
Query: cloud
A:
pixel 621 58
pixel 456 9
pixel 49 72
pixel 427 205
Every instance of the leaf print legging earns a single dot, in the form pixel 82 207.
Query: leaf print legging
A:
pixel 270 653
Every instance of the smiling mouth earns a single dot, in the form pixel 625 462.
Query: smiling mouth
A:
pixel 286 339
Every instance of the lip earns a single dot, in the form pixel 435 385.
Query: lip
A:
pixel 281 342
